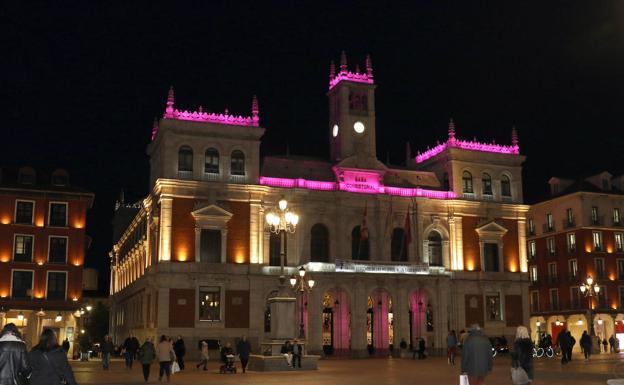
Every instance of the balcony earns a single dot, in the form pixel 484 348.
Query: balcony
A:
pixel 211 176
pixel 573 277
pixel 553 279
pixel 548 229
pixel 506 198
pixel 554 306
pixel 185 174
pixel 568 224
pixel 488 197
pixel 575 304
pixel 468 195
pixel 617 223
pixel 237 179
pixel 597 220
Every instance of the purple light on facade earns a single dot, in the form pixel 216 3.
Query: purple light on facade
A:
pixel 362 188
pixel 351 77
pixel 468 145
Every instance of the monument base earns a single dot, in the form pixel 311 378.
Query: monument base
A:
pixel 278 363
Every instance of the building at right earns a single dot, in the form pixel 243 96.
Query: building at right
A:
pixel 575 247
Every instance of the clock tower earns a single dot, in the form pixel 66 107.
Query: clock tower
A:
pixel 352 114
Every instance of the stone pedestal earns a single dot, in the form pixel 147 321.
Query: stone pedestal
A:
pixel 282 314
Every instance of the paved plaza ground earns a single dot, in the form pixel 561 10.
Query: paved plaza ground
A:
pixel 433 370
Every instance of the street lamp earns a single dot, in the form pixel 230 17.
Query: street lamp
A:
pixel 300 285
pixel 280 222
pixel 58 318
pixel 590 289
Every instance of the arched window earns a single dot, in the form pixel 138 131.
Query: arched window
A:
pixel 185 159
pixel 435 249
pixel 360 248
pixel 487 184
pixel 398 245
pixel 275 249
pixel 237 166
pixel 505 186
pixel 319 243
pixel 467 182
pixel 211 163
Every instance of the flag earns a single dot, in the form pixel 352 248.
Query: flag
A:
pixel 408 228
pixel 363 227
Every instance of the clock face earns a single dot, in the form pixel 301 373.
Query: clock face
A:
pixel 358 127
pixel 335 130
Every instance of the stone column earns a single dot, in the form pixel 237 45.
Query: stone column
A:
pixel 224 245
pixel 522 245
pixel 163 308
pixel 358 321
pixel 166 213
pixel 400 310
pixel 255 231
pixel 197 244
pixel 315 333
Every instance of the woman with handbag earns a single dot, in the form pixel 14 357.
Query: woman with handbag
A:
pixel 49 362
pixel 166 356
pixel 522 358
pixel 14 366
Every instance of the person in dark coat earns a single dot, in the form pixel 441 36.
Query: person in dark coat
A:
pixel 13 356
pixel 180 351
pixel 146 355
pixel 421 349
pixel 612 344
pixel 65 345
pixel 564 344
pixel 243 349
pixel 225 351
pixel 297 352
pixel 107 350
pixel 586 344
pixel 477 357
pixel 49 362
pixel 522 353
pixel 571 346
pixel 131 346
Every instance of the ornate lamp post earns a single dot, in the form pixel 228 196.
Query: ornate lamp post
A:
pixel 280 222
pixel 300 285
pixel 590 289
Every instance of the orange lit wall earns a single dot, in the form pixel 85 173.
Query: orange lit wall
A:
pixel 183 230
pixel 510 245
pixel 471 244
pixel 238 233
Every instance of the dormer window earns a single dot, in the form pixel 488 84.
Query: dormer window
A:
pixel 26 175
pixel 60 178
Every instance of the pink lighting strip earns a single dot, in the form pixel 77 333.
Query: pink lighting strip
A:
pixel 333 186
pixel 199 116
pixel 351 77
pixel 468 145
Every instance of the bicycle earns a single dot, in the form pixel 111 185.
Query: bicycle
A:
pixel 539 352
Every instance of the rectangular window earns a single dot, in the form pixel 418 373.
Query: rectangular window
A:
pixel 554 299
pixel 210 246
pixel 24 211
pixel 620 269
pixel 572 269
pixel 575 298
pixel 616 216
pixel 21 284
pixel 549 222
pixel 570 217
pixel 571 238
pixel 599 267
pixel 550 246
pixel 602 297
pixel 209 303
pixel 597 240
pixel 552 272
pixel 533 274
pixel 621 289
pixel 490 257
pixel 531 226
pixel 594 215
pixel 619 241
pixel 57 285
pixel 493 307
pixel 532 249
pixel 58 215
pixel 23 248
pixel 58 250
pixel 535 301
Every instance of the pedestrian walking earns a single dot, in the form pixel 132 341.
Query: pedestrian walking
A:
pixel 107 349
pixel 130 346
pixel 421 348
pixel 586 345
pixel 166 356
pixel 612 343
pixel 204 356
pixel 604 345
pixel 65 345
pixel 243 349
pixel 146 355
pixel 564 344
pixel 14 363
pixel 49 362
pixel 297 352
pixel 451 347
pixel 522 353
pixel 477 357
pixel 180 351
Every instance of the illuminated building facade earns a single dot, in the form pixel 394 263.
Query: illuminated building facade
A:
pixel 42 251
pixel 577 233
pixel 444 244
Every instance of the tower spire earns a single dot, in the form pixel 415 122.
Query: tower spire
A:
pixel 369 66
pixel 155 128
pixel 332 70
pixel 343 61
pixel 514 136
pixel 255 110
pixel 451 130
pixel 170 101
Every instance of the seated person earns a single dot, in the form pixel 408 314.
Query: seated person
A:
pixel 225 351
pixel 287 352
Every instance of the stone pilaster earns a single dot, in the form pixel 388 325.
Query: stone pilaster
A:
pixel 166 213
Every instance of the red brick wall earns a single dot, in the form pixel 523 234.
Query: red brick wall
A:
pixel 238 233
pixel 182 230
pixel 471 244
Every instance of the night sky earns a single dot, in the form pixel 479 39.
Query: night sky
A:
pixel 81 83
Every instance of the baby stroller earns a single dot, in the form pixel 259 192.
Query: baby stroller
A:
pixel 228 367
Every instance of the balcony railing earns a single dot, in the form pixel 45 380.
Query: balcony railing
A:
pixel 488 197
pixel 548 229
pixel 185 174
pixel 597 221
pixel 568 224
pixel 571 249
pixel 237 178
pixel 211 176
pixel 468 195
pixel 554 307
pixel 553 279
